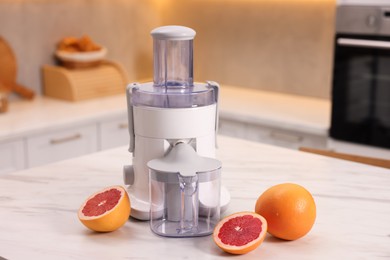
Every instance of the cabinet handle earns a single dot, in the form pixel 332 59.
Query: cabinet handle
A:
pixel 65 139
pixel 363 43
pixel 123 126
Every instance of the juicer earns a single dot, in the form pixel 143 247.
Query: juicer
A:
pixel 171 110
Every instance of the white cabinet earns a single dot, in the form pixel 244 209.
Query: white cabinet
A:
pixel 74 140
pixel 61 144
pixel 113 132
pixel 232 128
pixel 358 149
pixel 271 135
pixel 46 130
pixel 285 138
pixel 12 156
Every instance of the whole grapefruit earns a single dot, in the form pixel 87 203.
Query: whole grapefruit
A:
pixel 289 209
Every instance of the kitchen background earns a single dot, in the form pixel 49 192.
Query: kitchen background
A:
pixel 273 59
pixel 278 45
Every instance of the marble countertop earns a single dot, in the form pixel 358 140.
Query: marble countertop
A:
pixel 309 115
pixel 44 114
pixel 290 112
pixel 38 208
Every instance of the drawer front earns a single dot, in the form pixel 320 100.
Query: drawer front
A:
pixel 274 136
pixel 62 144
pixel 114 133
pixel 232 128
pixel 285 138
pixel 12 156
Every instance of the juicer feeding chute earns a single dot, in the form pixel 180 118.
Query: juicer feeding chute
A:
pixel 170 110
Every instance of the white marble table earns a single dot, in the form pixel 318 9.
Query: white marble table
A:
pixel 38 208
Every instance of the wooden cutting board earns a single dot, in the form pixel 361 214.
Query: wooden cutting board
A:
pixel 8 71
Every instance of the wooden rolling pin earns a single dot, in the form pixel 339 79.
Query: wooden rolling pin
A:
pixel 21 90
pixel 3 99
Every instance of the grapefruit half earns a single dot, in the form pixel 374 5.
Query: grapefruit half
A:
pixel 240 233
pixel 106 210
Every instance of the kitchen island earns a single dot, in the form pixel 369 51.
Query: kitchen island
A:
pixel 38 208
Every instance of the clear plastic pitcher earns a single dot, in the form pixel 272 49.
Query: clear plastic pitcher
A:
pixel 184 202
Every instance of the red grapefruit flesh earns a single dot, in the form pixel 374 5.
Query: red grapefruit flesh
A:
pixel 240 233
pixel 106 210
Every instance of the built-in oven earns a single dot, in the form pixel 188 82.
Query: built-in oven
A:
pixel 361 76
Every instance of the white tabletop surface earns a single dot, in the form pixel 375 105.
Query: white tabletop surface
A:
pixel 38 208
pixel 309 115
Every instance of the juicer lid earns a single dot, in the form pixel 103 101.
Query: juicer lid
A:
pixel 184 160
pixel 173 32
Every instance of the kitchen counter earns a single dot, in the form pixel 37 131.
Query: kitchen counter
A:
pixel 44 114
pixel 291 112
pixel 38 208
pixel 242 104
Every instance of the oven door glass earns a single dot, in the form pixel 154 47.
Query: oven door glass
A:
pixel 361 90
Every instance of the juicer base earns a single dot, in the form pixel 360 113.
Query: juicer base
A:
pixel 139 208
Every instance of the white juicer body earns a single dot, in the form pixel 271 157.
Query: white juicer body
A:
pixel 169 110
pixel 153 131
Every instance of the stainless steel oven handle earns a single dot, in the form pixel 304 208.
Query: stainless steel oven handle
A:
pixel 363 43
